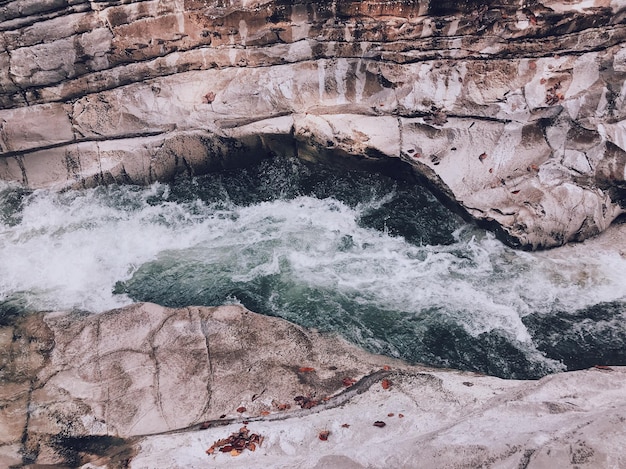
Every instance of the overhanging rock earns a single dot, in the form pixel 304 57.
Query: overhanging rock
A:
pixel 515 115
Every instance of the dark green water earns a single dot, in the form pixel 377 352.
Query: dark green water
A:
pixel 376 260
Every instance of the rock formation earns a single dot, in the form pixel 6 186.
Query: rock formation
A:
pixel 512 112
pixel 147 387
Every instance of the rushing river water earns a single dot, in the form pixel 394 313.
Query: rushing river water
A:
pixel 377 260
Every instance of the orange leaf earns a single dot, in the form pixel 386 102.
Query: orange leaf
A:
pixel 209 97
pixel 386 368
pixel 348 381
pixel 323 435
pixel 265 412
pixel 603 367
pixel 306 369
pixel 385 383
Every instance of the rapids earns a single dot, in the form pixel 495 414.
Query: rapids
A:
pixel 377 260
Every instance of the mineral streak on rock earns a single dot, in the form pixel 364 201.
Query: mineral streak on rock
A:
pixel 138 91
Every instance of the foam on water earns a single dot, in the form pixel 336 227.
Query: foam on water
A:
pixel 307 257
pixel 64 251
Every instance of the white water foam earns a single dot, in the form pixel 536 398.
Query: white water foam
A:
pixel 68 251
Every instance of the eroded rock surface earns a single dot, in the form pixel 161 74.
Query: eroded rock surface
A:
pixel 514 113
pixel 147 386
pixel 147 369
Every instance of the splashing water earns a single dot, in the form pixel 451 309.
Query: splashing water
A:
pixel 377 260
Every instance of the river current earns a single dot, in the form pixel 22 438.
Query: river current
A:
pixel 376 260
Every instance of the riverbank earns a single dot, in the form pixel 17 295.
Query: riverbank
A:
pixel 146 386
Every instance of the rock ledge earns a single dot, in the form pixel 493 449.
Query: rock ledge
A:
pixel 146 386
pixel 513 115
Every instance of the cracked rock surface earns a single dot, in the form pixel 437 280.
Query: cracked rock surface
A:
pixel 146 369
pixel 514 114
pixel 147 386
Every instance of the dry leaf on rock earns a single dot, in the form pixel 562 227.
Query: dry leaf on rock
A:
pixel 306 402
pixel 237 442
pixel 603 367
pixel 348 381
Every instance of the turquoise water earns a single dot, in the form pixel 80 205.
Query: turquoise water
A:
pixel 377 260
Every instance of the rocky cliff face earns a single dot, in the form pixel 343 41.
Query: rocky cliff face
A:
pixel 512 112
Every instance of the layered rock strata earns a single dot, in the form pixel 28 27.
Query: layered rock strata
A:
pixel 512 112
pixel 146 386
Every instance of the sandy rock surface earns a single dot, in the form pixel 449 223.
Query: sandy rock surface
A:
pixel 147 386
pixel 513 115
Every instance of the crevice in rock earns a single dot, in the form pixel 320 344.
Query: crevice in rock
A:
pixel 205 331
pixel 156 382
pixel 343 397
pixel 102 138
pixel 20 163
pixel 18 21
pixel 476 117
pixel 20 90
pixel 400 138
pixel 384 56
pixel 153 354
pixel 75 129
pixel 29 455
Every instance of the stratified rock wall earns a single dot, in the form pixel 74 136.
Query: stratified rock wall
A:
pixel 513 112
